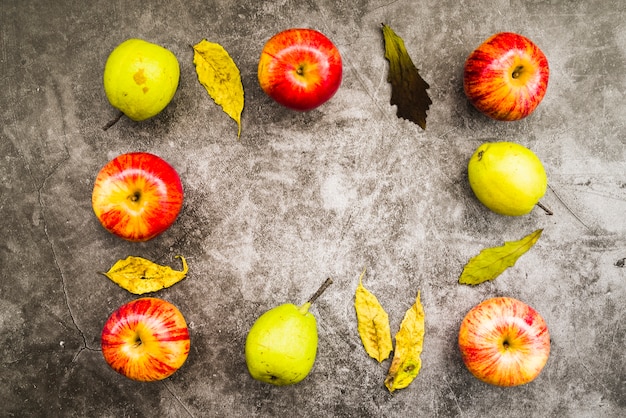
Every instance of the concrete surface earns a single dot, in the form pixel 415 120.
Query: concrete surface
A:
pixel 304 196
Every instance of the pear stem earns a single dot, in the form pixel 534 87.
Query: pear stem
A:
pixel 323 287
pixel 113 121
pixel 545 209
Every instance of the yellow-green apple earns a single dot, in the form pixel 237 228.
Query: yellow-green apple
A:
pixel 506 77
pixel 137 196
pixel 300 68
pixel 504 342
pixel 146 339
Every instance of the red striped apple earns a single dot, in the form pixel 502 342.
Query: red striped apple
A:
pixel 146 339
pixel 504 342
pixel 506 77
pixel 300 68
pixel 137 196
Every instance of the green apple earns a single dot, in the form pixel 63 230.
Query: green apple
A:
pixel 507 178
pixel 282 343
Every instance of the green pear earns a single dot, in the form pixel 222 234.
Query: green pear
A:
pixel 507 178
pixel 140 78
pixel 282 343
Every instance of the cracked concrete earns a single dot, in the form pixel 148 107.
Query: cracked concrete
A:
pixel 304 196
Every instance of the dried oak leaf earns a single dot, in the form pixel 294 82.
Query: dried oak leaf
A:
pixel 408 89
pixel 139 276
pixel 221 78
pixel 491 262
pixel 406 362
pixel 372 323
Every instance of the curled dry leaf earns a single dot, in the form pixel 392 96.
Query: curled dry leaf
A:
pixel 221 78
pixel 372 323
pixel 491 262
pixel 406 362
pixel 139 276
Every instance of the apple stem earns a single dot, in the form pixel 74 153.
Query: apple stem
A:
pixel 546 210
pixel 323 287
pixel 113 121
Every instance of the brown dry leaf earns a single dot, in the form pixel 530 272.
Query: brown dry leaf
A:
pixel 406 361
pixel 372 323
pixel 139 276
pixel 491 262
pixel 408 88
pixel 219 75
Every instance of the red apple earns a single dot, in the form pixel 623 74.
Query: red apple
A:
pixel 506 77
pixel 300 68
pixel 137 196
pixel 146 339
pixel 504 342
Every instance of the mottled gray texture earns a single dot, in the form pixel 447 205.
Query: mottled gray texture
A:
pixel 304 196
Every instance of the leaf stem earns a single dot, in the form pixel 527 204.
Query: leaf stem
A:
pixel 321 290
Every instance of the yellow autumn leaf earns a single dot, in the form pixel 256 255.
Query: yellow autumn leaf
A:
pixel 406 361
pixel 372 323
pixel 491 262
pixel 219 75
pixel 139 276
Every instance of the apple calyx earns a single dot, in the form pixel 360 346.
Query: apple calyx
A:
pixel 135 196
pixel 301 69
pixel 138 342
pixel 135 200
pixel 522 73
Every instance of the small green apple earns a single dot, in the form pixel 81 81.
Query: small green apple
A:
pixel 282 343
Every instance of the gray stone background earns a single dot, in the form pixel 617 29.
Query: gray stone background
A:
pixel 304 196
